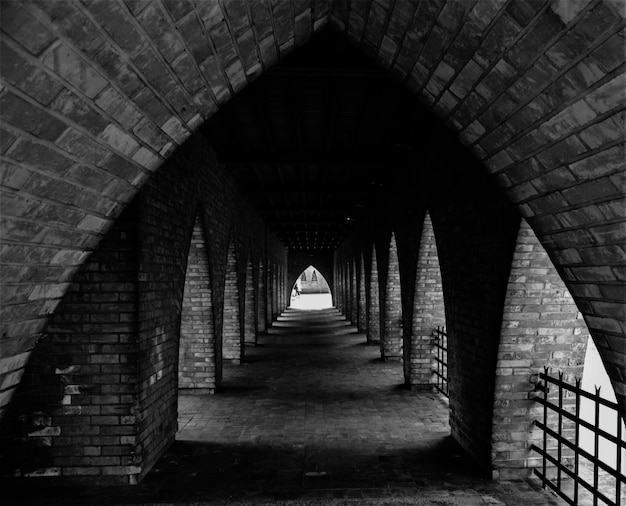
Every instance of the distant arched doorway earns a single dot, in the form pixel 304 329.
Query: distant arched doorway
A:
pixel 311 291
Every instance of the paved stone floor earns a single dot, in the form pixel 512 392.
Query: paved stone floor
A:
pixel 314 416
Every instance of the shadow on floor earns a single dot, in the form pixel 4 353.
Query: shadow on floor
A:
pixel 193 471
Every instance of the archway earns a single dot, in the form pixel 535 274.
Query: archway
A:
pixel 311 291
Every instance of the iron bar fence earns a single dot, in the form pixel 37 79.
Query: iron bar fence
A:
pixel 440 341
pixel 569 469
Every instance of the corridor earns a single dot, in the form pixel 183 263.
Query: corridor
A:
pixel 313 415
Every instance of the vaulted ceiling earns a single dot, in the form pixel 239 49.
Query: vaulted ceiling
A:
pixel 317 139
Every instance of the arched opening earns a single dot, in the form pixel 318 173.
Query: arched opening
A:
pixel 311 291
pixel 197 360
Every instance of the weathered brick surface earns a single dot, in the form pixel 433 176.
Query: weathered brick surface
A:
pixel 76 410
pixel 541 327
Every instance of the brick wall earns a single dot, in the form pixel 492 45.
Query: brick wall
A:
pixel 541 327
pixel 113 353
pixel 391 342
pixel 76 411
pixel 428 311
pixel 197 349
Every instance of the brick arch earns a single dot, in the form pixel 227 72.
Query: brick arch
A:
pixel 103 94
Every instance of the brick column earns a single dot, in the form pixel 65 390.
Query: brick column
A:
pixel 197 358
pixel 354 293
pixel 232 337
pixel 541 326
pixel 269 298
pixel 391 343
pixel 275 290
pixel 362 311
pixel 428 310
pixel 249 321
pixel 373 314
pixel 261 298
pixel 340 293
pixel 74 414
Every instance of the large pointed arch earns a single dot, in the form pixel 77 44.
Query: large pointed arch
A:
pixel 509 80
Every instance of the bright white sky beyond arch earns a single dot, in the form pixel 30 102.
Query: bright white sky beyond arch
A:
pixel 314 290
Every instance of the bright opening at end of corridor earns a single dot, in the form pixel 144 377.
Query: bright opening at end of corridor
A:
pixel 311 291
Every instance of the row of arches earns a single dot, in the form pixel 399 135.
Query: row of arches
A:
pixel 491 407
pixel 249 305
